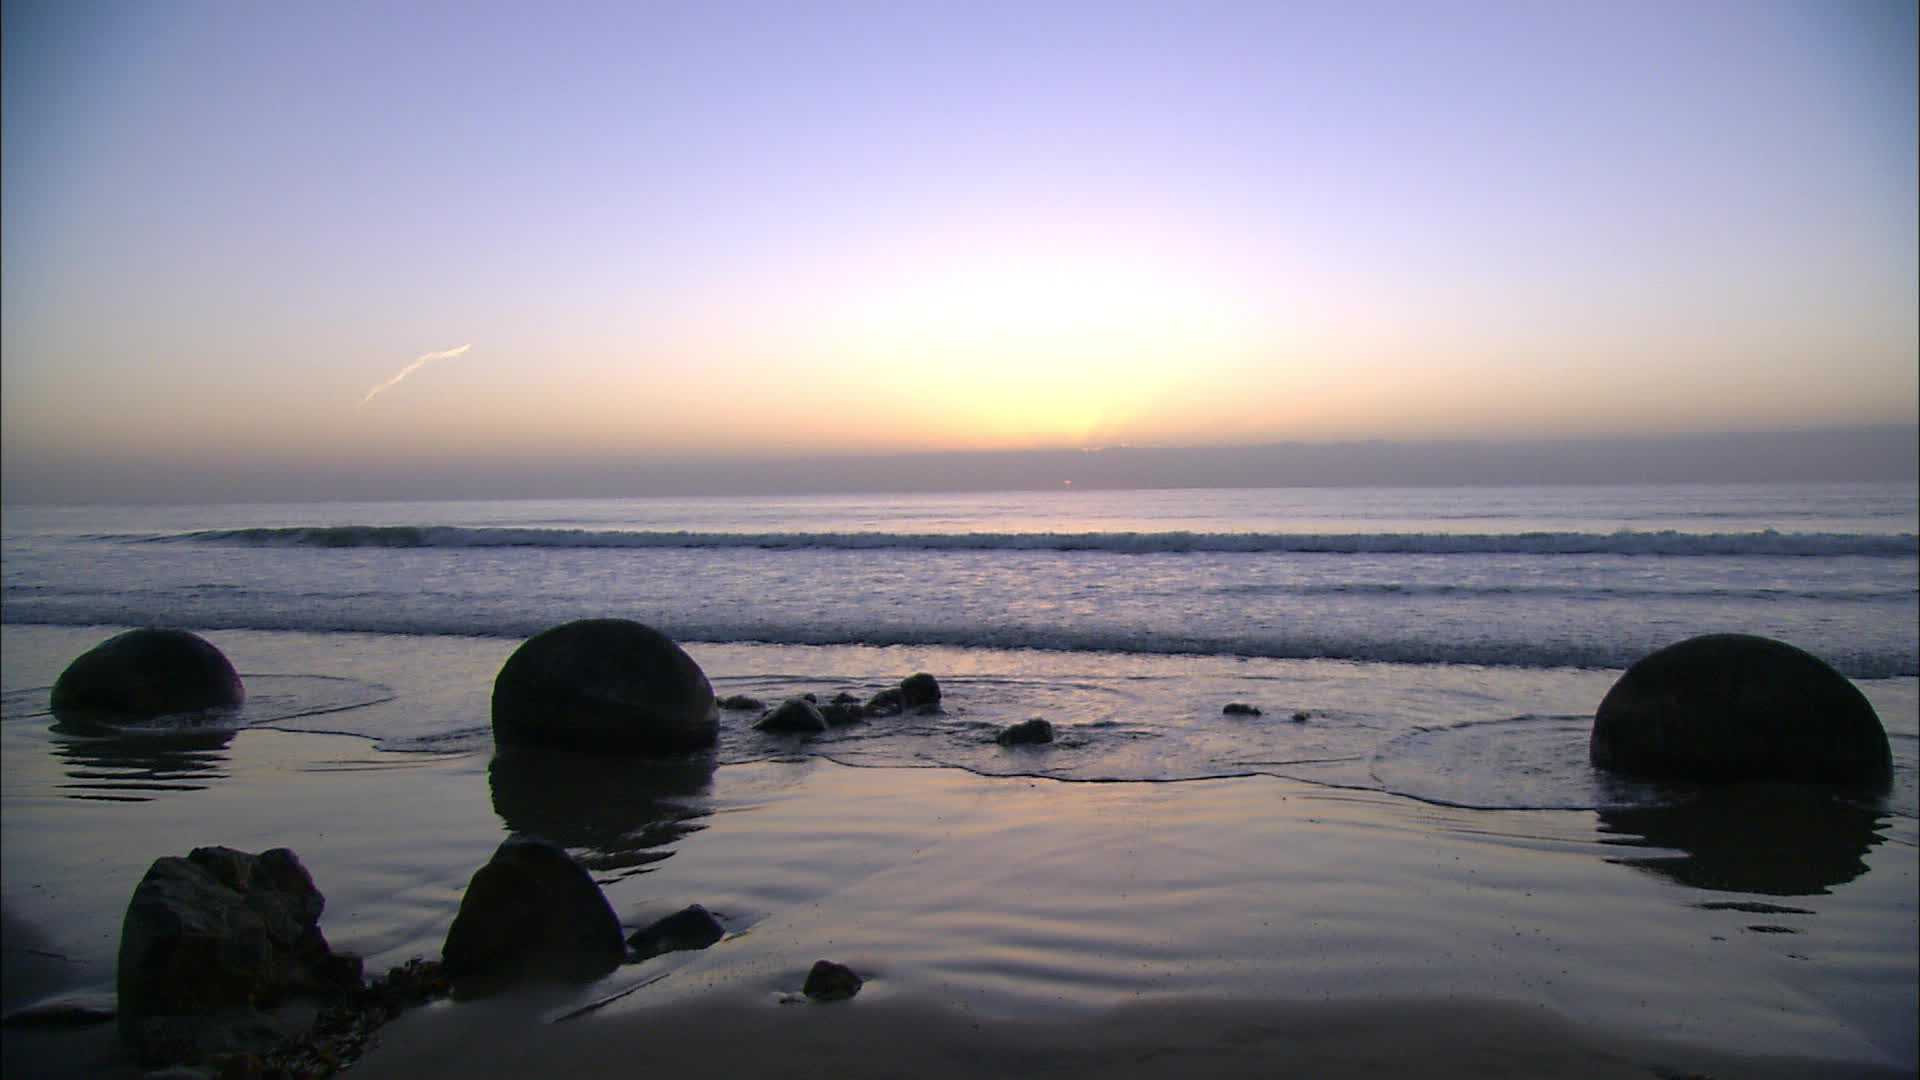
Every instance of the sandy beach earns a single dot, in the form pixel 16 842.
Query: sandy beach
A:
pixel 1005 924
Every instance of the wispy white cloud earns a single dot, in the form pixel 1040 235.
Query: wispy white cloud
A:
pixel 417 364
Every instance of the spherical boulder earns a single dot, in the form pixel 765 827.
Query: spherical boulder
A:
pixel 604 685
pixel 148 672
pixel 1734 707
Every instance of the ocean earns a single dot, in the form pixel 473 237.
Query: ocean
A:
pixel 1425 662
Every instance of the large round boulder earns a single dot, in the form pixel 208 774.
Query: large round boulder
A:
pixel 148 672
pixel 1728 707
pixel 604 685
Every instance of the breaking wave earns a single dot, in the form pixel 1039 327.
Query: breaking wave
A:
pixel 1655 543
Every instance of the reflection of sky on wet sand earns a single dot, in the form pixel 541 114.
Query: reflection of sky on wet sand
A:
pixel 1772 839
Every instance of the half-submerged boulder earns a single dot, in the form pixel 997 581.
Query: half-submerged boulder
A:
pixel 794 716
pixel 1026 733
pixel 210 937
pixel 604 685
pixel 919 690
pixel 531 912
pixel 692 927
pixel 147 672
pixel 1734 707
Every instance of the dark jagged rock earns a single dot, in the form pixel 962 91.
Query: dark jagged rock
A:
pixel 919 690
pixel 887 702
pixel 531 912
pixel 144 673
pixel 1236 708
pixel 208 938
pixel 845 698
pixel 1026 733
pixel 604 685
pixel 840 713
pixel 793 716
pixel 828 981
pixel 742 703
pixel 692 927
pixel 1733 707
pixel 1301 716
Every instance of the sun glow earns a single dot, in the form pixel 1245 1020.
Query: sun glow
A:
pixel 1038 351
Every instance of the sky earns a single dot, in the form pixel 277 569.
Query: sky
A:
pixel 656 236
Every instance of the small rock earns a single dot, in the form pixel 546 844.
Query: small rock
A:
pixel 742 703
pixel 794 715
pixel 919 690
pixel 839 713
pixel 844 698
pixel 887 702
pixel 1300 716
pixel 692 927
pixel 829 981
pixel 1026 733
pixel 1237 708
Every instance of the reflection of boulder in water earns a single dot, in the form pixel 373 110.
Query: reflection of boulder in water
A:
pixel 617 814
pixel 1773 839
pixel 138 768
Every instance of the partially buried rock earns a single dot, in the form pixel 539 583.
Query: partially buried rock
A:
pixel 604 685
pixel 885 703
pixel 829 981
pixel 692 927
pixel 209 937
pixel 919 690
pixel 1730 707
pixel 839 713
pixel 148 672
pixel 531 912
pixel 793 716
pixel 1237 708
pixel 1027 732
pixel 742 703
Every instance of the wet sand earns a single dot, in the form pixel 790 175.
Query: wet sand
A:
pixel 1016 925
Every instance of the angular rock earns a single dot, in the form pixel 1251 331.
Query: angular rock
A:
pixel 793 716
pixel 209 937
pixel 532 912
pixel 828 981
pixel 1734 707
pixel 1026 733
pixel 742 703
pixel 147 672
pixel 919 690
pixel 839 713
pixel 1236 708
pixel 692 927
pixel 604 685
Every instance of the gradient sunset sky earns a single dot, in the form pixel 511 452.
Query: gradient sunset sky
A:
pixel 670 232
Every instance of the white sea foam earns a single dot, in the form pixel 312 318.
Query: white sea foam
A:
pixel 1625 542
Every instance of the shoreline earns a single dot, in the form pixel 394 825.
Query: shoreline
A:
pixel 1210 927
